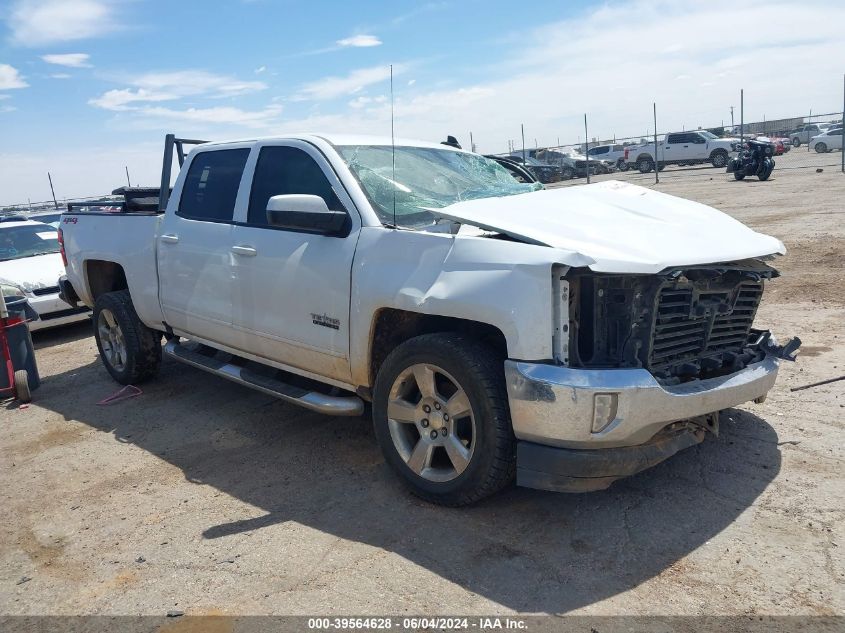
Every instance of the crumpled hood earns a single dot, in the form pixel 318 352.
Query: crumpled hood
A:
pixel 31 273
pixel 624 228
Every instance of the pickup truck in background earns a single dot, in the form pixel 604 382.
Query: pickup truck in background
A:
pixel 682 148
pixel 564 338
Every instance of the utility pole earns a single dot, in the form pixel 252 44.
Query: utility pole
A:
pixel 656 161
pixel 50 178
pixel 587 147
pixel 732 118
pixel 842 151
pixel 741 117
pixel 471 143
pixel 128 183
pixel 522 128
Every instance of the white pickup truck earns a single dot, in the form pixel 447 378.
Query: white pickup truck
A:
pixel 682 148
pixel 564 337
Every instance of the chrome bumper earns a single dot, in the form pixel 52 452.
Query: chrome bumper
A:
pixel 558 406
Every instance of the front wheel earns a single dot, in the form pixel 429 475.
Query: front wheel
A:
pixel 719 158
pixel 621 165
pixel 796 142
pixel 129 349
pixel 821 148
pixel 441 418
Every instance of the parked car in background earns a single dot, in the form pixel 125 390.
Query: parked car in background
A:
pixel 53 218
pixel 803 133
pixel 516 169
pixel 613 153
pixel 682 148
pixel 30 261
pixel 544 172
pixel 571 164
pixel 827 141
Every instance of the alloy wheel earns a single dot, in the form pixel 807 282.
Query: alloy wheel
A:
pixel 431 422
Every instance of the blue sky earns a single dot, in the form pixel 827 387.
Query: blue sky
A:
pixel 90 86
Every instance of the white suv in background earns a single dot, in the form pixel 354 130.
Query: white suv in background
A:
pixel 613 153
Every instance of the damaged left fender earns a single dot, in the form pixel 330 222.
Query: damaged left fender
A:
pixel 499 282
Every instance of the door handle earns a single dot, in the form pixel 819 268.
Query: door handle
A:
pixel 169 238
pixel 246 251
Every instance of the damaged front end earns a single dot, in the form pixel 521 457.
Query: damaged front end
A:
pixel 644 365
pixel 681 325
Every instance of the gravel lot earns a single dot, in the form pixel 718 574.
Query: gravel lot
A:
pixel 206 497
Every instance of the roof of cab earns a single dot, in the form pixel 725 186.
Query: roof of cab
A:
pixel 338 140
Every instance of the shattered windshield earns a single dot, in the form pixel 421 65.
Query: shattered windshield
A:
pixel 425 179
pixel 28 240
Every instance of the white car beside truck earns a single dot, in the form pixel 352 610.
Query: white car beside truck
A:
pixel 31 263
pixel 682 148
pixel 562 338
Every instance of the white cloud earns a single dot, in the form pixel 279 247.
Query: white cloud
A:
pixel 196 82
pixel 42 22
pixel 121 99
pixel 359 41
pixel 217 116
pixel 333 87
pixel 169 86
pixel 71 60
pixel 7 108
pixel 10 78
pixel 260 70
pixel 60 76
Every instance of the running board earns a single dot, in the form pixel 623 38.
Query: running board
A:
pixel 322 403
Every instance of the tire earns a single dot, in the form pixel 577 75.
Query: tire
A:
pixel 22 391
pixel 484 461
pixel 767 170
pixel 621 165
pixel 796 142
pixel 129 349
pixel 821 148
pixel 567 174
pixel 719 158
pixel 739 175
pixel 661 166
pixel 645 164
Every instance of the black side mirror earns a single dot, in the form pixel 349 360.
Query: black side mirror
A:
pixel 308 214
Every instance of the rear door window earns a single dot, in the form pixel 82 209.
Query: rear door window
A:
pixel 211 186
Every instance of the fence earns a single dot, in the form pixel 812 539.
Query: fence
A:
pixel 806 140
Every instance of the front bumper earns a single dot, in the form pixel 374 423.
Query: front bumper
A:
pixel 52 312
pixel 557 405
pixel 555 410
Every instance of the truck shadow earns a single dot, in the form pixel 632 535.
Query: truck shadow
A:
pixel 62 334
pixel 527 550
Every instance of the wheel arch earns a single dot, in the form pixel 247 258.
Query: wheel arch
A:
pixel 391 327
pixel 102 276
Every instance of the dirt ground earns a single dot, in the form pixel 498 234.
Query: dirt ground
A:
pixel 202 496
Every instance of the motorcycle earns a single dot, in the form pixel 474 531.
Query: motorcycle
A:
pixel 754 159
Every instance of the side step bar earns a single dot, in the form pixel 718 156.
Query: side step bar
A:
pixel 331 405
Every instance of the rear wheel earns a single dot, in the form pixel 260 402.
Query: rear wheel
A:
pixel 441 417
pixel 821 148
pixel 739 175
pixel 796 142
pixel 22 391
pixel 567 173
pixel 129 349
pixel 645 165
